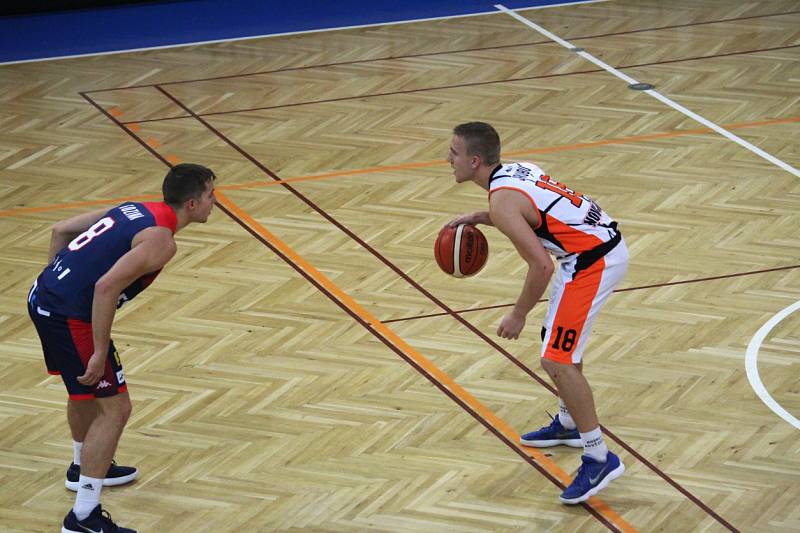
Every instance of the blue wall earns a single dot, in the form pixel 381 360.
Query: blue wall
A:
pixel 127 27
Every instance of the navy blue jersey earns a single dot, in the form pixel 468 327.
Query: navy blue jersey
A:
pixel 66 285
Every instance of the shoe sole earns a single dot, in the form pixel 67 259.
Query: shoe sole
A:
pixel 572 443
pixel 107 482
pixel 614 474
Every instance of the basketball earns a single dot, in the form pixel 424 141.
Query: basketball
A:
pixel 461 251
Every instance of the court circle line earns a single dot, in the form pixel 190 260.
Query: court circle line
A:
pixel 751 364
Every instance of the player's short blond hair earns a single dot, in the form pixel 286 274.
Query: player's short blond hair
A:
pixel 481 139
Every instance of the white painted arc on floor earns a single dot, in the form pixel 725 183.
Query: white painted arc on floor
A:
pixel 751 365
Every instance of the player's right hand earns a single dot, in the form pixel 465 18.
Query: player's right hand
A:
pixel 94 370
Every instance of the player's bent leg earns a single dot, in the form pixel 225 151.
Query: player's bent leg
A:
pixel 104 434
pixel 574 390
pixel 79 411
pixel 80 415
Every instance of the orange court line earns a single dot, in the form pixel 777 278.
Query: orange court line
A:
pixel 419 164
pixel 432 370
pixel 72 205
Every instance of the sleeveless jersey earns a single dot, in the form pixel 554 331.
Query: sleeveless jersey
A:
pixel 568 222
pixel 66 285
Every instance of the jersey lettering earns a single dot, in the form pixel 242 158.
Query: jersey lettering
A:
pixel 594 214
pixel 131 212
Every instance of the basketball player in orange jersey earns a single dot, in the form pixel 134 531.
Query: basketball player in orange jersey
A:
pixel 543 218
pixel 98 262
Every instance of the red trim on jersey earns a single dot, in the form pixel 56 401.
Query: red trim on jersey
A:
pixel 163 214
pixel 54 372
pixel 528 196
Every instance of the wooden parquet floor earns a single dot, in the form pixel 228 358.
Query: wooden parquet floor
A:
pixel 302 364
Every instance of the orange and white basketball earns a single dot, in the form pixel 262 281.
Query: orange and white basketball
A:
pixel 461 251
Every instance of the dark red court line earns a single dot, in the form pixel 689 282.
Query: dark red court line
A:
pixel 530 460
pixel 124 128
pixel 441 304
pixel 429 54
pixel 640 287
pixel 453 86
pixel 414 365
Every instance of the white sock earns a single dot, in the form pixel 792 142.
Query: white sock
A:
pixel 88 497
pixel 564 417
pixel 594 445
pixel 76 452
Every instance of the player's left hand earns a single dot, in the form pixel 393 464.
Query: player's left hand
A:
pixel 511 326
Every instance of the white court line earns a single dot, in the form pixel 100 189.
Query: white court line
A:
pixel 691 114
pixel 751 365
pixel 283 34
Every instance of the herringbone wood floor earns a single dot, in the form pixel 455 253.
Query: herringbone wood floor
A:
pixel 262 404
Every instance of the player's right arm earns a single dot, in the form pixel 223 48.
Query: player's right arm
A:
pixel 153 248
pixel 63 232
pixel 472 219
pixel 512 214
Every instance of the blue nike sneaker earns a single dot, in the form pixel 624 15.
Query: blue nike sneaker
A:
pixel 592 477
pixel 99 521
pixel 552 435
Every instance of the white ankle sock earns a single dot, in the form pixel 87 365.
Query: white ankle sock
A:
pixel 76 452
pixel 564 417
pixel 88 497
pixel 594 445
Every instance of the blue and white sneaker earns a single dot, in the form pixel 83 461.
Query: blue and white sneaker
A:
pixel 116 475
pixel 592 477
pixel 552 435
pixel 99 521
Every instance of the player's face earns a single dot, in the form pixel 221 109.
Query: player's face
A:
pixel 463 165
pixel 204 203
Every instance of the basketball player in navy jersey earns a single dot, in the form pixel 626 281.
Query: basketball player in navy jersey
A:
pixel 544 218
pixel 98 262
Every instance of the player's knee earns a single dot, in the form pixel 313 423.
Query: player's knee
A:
pixel 117 409
pixel 125 409
pixel 553 366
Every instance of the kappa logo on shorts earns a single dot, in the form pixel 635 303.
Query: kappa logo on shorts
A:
pixel 120 377
pixel 103 384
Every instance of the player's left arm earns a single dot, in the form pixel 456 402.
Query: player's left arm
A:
pixel 64 231
pixel 154 248
pixel 512 213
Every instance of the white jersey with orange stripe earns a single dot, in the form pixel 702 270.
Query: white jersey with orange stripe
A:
pixel 568 222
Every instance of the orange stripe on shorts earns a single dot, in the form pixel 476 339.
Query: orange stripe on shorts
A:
pixel 573 310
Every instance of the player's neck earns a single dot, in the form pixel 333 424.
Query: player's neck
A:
pixel 183 219
pixel 482 175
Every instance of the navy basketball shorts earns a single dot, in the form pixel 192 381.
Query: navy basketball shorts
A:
pixel 68 344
